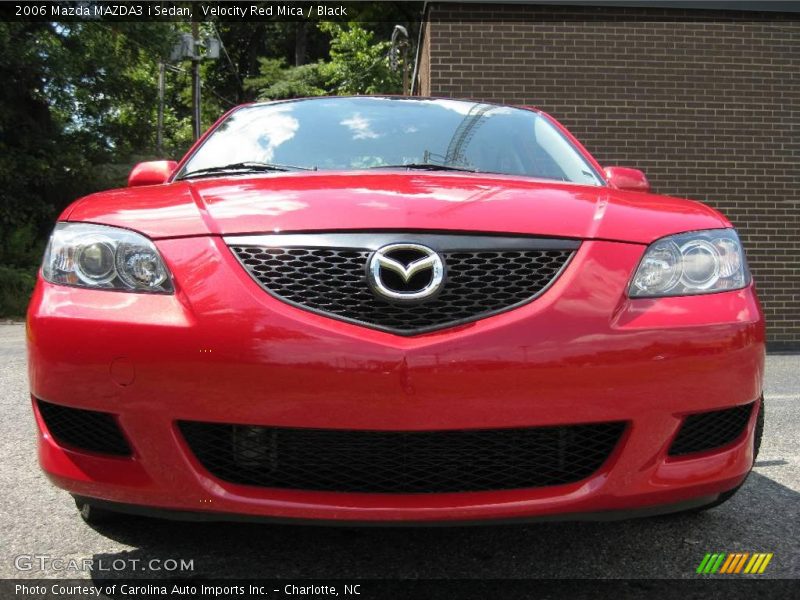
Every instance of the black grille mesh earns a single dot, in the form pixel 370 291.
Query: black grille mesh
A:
pixel 84 429
pixel 709 430
pixel 333 281
pixel 401 462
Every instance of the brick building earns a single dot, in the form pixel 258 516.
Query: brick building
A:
pixel 705 101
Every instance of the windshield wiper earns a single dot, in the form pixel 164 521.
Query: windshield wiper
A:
pixel 426 167
pixel 244 167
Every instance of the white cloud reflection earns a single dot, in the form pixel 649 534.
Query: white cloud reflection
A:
pixel 360 127
pixel 249 135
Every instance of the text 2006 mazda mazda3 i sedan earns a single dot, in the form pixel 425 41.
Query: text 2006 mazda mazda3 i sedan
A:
pixel 394 310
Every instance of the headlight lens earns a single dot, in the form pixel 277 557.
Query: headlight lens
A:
pixel 97 256
pixel 699 262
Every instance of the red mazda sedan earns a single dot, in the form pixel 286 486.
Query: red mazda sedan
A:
pixel 397 310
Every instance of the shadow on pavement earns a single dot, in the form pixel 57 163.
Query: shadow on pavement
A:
pixel 763 517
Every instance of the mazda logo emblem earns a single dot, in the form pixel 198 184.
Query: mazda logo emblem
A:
pixel 405 272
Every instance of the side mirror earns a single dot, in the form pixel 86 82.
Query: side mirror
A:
pixel 624 178
pixel 153 172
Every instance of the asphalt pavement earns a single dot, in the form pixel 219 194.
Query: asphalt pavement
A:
pixel 38 520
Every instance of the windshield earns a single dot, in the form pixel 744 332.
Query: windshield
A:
pixel 367 132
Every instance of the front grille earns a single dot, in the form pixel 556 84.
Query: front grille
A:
pixel 84 429
pixel 401 462
pixel 478 283
pixel 710 430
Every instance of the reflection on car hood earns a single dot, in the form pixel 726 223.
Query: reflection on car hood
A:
pixel 393 200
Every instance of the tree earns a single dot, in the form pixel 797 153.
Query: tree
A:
pixel 276 81
pixel 79 102
pixel 358 65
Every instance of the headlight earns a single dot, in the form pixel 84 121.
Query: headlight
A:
pixel 96 256
pixel 699 262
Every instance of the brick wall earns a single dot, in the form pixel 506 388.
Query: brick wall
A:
pixel 707 103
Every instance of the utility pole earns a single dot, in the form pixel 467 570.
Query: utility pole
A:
pixel 405 71
pixel 187 47
pixel 399 48
pixel 160 124
pixel 196 126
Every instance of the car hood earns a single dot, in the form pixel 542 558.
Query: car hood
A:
pixel 393 200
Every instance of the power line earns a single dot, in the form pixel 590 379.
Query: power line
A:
pixel 219 97
pixel 176 69
pixel 227 56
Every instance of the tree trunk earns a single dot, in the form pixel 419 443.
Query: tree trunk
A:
pixel 300 40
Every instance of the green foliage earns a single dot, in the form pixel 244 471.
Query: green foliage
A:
pixel 247 42
pixel 78 101
pixel 16 286
pixel 359 64
pixel 22 251
pixel 276 81
pixel 22 247
pixel 78 97
pixel 78 106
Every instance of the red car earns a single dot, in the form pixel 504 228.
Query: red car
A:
pixel 398 310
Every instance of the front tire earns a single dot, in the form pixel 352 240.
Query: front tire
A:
pixel 92 515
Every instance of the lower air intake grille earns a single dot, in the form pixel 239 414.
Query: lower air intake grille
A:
pixel 84 429
pixel 401 462
pixel 709 430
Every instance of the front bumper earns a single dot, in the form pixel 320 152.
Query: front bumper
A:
pixel 221 350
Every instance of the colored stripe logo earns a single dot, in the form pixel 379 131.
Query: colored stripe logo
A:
pixel 734 563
